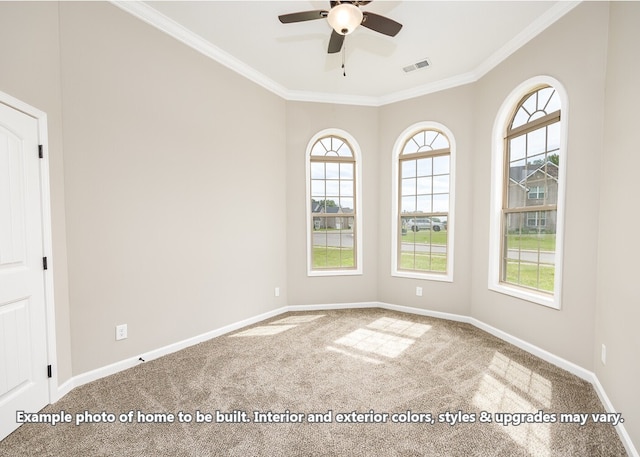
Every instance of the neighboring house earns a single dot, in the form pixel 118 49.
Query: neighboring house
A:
pixel 338 223
pixel 533 188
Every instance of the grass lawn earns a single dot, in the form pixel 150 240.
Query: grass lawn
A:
pixel 332 257
pixel 531 275
pixel 532 241
pixel 425 237
pixel 423 262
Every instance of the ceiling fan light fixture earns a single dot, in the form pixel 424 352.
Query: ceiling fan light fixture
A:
pixel 344 18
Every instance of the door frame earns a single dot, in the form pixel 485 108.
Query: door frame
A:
pixel 47 240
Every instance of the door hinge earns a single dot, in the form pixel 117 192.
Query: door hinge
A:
pixel 40 151
pixel 49 375
pixel 44 263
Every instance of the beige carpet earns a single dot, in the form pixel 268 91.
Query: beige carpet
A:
pixel 333 363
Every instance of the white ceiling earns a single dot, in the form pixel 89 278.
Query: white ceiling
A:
pixel 461 40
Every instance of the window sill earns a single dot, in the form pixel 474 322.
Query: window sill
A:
pixel 550 301
pixel 424 276
pixel 315 273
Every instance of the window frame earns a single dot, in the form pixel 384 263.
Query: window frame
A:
pixel 498 179
pixel 357 198
pixel 398 147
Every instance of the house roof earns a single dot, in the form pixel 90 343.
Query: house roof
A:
pixel 517 174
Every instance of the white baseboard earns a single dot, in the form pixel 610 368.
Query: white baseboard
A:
pixel 571 367
pixel 130 362
pixel 622 432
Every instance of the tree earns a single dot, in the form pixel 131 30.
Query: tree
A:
pixel 324 203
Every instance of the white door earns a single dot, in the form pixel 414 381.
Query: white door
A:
pixel 23 340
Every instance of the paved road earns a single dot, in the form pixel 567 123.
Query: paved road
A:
pixel 345 240
pixel 333 239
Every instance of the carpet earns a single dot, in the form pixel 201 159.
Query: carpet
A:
pixel 356 382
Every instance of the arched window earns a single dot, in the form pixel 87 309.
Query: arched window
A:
pixel 423 179
pixel 333 214
pixel 531 195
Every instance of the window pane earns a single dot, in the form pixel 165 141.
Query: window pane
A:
pixel 441 165
pixel 543 99
pixel 441 184
pixel 517 148
pixel 408 205
pixel 327 144
pixel 553 137
pixel 342 148
pixel 317 170
pixel 425 166
pixel 317 188
pixel 518 170
pixel 411 147
pixel 426 137
pixel 408 168
pixel 424 203
pixel 516 195
pixel 441 203
pixel 531 104
pixel 332 188
pixel 346 205
pixel 346 170
pixel 409 186
pixel 440 142
pixel 423 186
pixel 554 103
pixel 521 118
pixel 346 188
pixel 332 170
pixel 318 149
pixel 536 141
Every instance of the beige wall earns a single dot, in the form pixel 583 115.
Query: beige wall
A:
pixel 175 184
pixel 304 120
pixel 618 298
pixel 30 72
pixel 573 51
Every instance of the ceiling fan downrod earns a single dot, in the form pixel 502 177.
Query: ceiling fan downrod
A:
pixel 344 51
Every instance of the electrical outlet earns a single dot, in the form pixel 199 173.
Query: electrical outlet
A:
pixel 121 332
pixel 277 292
pixel 603 355
pixel 419 291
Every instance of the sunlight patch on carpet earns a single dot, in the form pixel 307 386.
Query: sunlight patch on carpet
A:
pixel 375 342
pixel 518 390
pixel 522 378
pixel 363 358
pixel 400 327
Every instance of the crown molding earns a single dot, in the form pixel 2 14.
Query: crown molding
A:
pixel 527 34
pixel 156 19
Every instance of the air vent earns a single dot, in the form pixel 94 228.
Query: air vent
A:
pixel 424 63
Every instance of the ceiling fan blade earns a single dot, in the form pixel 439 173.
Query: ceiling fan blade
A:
pixel 335 42
pixel 302 16
pixel 380 23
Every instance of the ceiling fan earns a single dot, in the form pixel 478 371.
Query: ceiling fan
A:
pixel 344 17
